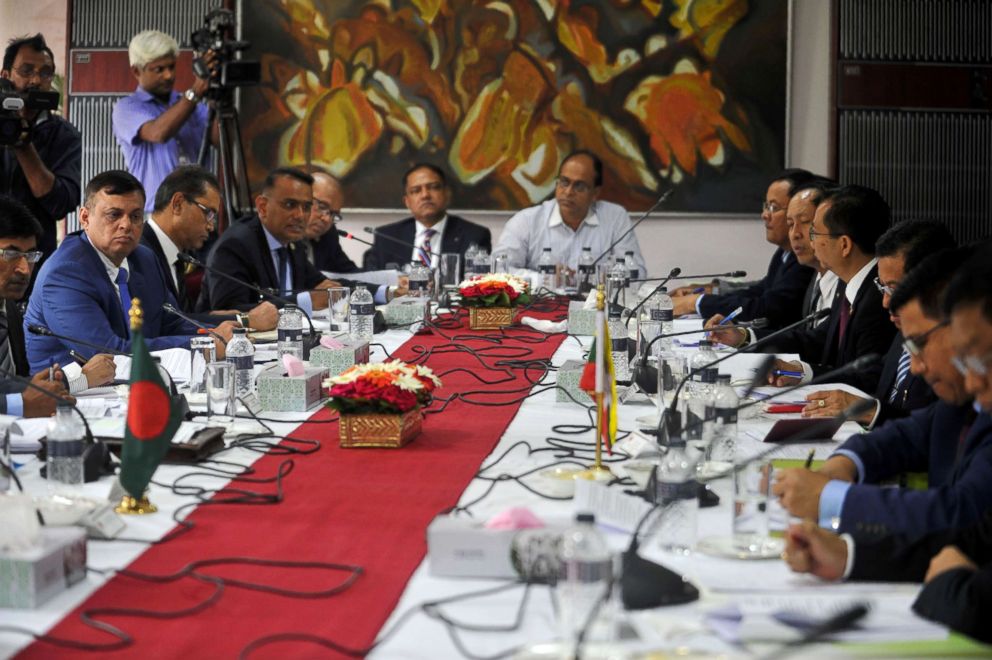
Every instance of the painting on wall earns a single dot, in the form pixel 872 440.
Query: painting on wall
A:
pixel 683 94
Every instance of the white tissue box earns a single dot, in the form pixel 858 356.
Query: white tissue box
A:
pixel 581 321
pixel 336 360
pixel 405 310
pixel 281 393
pixel 569 375
pixel 31 577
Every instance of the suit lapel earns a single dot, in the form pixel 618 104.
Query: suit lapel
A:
pixel 267 274
pixel 406 232
pixel 168 270
pixel 833 326
pixel 860 301
pixel 451 242
pixel 15 338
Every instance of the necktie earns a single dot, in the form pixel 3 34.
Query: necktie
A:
pixel 424 251
pixel 901 372
pixel 181 285
pixel 125 297
pixel 283 255
pixel 845 317
pixel 6 360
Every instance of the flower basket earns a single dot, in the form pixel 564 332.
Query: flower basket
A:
pixel 379 430
pixel 489 318
pixel 492 298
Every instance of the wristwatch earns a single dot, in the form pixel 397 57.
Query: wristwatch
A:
pixel 243 319
pixel 191 96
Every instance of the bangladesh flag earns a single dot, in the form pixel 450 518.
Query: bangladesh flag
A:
pixel 151 420
pixel 599 382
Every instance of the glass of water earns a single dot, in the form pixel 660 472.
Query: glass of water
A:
pixel 750 509
pixel 338 298
pixel 201 353
pixel 220 391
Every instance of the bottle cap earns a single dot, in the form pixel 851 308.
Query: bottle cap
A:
pixel 723 379
pixel 585 517
pixel 704 343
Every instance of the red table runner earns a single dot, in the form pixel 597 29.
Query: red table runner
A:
pixel 369 507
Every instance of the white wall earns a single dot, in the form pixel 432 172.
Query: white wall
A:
pixel 698 244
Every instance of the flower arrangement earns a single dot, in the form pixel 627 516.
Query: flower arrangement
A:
pixel 393 387
pixel 494 290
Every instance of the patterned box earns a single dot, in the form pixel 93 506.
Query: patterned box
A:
pixel 336 360
pixel 405 310
pixel 569 375
pixel 28 578
pixel 278 392
pixel 581 321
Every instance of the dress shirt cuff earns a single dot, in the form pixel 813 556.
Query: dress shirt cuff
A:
pixel 751 337
pixel 874 417
pixel 858 463
pixel 807 372
pixel 15 405
pixel 381 295
pixel 305 303
pixel 699 299
pixel 832 502
pixel 849 564
pixel 78 383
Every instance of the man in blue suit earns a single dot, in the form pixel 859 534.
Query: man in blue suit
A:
pixel 85 288
pixel 950 439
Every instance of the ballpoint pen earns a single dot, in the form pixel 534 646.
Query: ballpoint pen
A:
pixel 784 372
pixel 77 357
pixel 809 459
pixel 731 316
pixel 51 369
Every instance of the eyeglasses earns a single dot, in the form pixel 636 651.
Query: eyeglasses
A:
pixel 771 207
pixel 915 345
pixel 27 71
pixel 580 187
pixel 979 366
pixel 813 234
pixel 434 187
pixel 32 257
pixel 884 289
pixel 326 211
pixel 209 213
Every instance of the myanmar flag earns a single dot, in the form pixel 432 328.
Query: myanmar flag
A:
pixel 152 420
pixel 599 381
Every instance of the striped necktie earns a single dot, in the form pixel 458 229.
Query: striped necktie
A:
pixel 424 249
pixel 6 359
pixel 901 372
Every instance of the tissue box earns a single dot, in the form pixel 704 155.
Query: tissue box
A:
pixel 28 579
pixel 569 375
pixel 405 310
pixel 581 321
pixel 278 392
pixel 336 360
pixel 463 547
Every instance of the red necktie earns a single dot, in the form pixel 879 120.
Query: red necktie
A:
pixel 845 317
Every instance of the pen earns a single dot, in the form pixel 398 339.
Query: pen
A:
pixel 700 289
pixel 77 357
pixel 782 372
pixel 731 316
pixel 809 459
pixel 51 369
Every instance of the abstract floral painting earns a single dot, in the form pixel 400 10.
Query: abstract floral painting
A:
pixel 683 94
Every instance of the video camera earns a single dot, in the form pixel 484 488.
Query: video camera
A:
pixel 230 72
pixel 14 130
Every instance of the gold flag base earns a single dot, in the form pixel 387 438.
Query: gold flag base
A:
pixel 130 506
pixel 595 473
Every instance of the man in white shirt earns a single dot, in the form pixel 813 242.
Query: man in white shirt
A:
pixel 575 219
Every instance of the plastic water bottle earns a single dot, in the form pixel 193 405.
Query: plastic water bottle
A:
pixel 618 346
pixel 585 578
pixel 546 267
pixel 699 391
pixel 66 435
pixel 420 276
pixel 663 309
pixel 721 432
pixel 587 271
pixel 616 283
pixel 678 490
pixel 361 312
pixel 628 260
pixel 480 262
pixel 290 331
pixel 241 353
pixel 470 254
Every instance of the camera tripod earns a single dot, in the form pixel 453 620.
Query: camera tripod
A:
pixel 232 169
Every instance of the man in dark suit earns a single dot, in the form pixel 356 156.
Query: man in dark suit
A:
pixel 85 289
pixel 778 297
pixel 185 211
pixel 949 439
pixel 322 244
pixel 433 232
pixel 899 391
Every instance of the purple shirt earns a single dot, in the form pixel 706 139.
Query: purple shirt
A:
pixel 151 162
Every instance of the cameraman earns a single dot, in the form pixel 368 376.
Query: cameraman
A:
pixel 43 171
pixel 158 128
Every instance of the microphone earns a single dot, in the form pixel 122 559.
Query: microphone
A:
pixel 733 273
pixel 400 241
pixel 843 620
pixel 661 200
pixel 41 330
pixel 169 307
pixel 348 234
pixel 672 274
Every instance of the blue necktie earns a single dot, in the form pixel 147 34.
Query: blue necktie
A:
pixel 901 372
pixel 125 297
pixel 283 255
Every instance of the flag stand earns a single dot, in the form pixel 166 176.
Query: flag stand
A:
pixel 598 471
pixel 135 505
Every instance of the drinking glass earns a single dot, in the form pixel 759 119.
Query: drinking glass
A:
pixel 750 508
pixel 220 391
pixel 338 299
pixel 201 353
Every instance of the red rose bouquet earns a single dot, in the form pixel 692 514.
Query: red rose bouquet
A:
pixel 390 387
pixel 494 290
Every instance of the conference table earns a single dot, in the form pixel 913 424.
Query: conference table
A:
pixel 295 547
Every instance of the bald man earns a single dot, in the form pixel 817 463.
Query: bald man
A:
pixel 322 244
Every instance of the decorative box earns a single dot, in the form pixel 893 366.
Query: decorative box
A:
pixel 581 321
pixel 490 318
pixel 336 360
pixel 379 430
pixel 569 375
pixel 282 393
pixel 405 310
pixel 29 578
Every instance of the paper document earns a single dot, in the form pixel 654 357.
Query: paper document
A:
pixel 26 433
pixel 380 277
pixel 175 360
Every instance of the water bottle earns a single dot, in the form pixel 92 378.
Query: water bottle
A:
pixel 470 255
pixel 420 276
pixel 628 260
pixel 241 353
pixel 290 332
pixel 585 577
pixel 678 491
pixel 66 435
pixel 546 267
pixel 663 309
pixel 616 283
pixel 587 271
pixel 699 392
pixel 481 262
pixel 360 314
pixel 618 346
pixel 721 430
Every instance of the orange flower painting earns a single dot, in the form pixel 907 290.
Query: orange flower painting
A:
pixel 683 94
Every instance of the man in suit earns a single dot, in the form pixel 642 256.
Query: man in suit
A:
pixel 899 392
pixel 778 297
pixel 949 439
pixel 799 216
pixel 322 243
pixel 85 289
pixel 20 234
pixel 430 229
pixel 185 211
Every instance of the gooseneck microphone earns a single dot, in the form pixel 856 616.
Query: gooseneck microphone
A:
pixel 36 329
pixel 169 307
pixel 348 234
pixel 661 200
pixel 733 273
pixel 399 241
pixel 672 274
